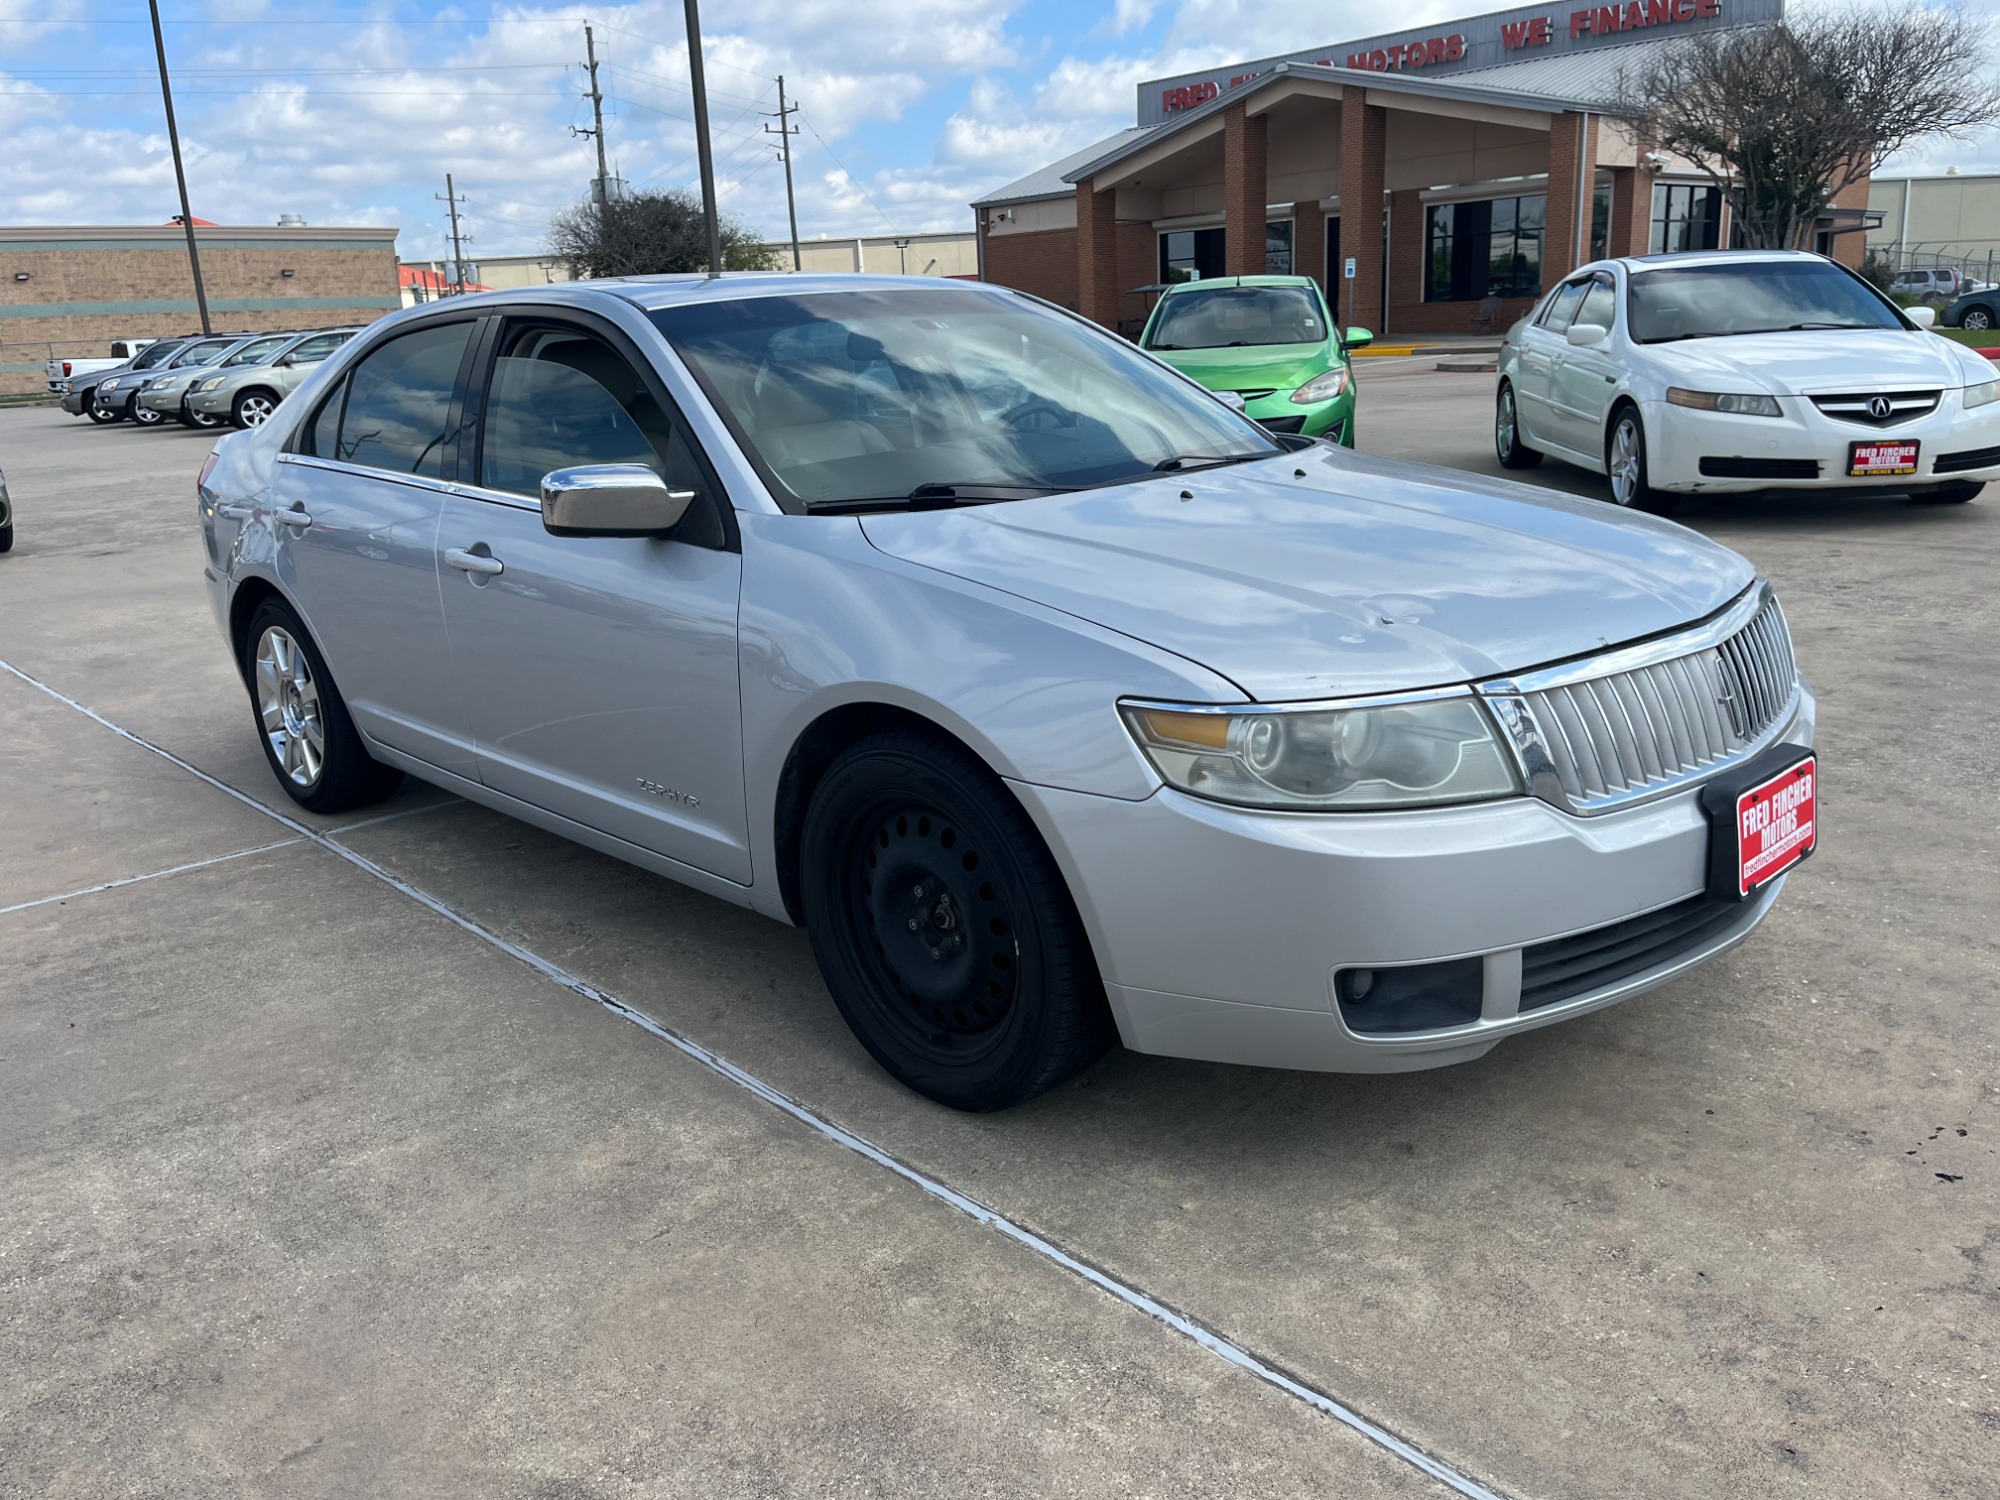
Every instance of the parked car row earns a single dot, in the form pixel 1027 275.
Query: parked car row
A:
pixel 202 380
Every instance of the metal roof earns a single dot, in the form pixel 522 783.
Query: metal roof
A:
pixel 1049 181
pixel 1585 78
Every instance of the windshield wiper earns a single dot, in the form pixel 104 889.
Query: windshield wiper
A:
pixel 1182 461
pixel 934 496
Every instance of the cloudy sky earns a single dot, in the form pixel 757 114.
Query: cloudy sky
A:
pixel 353 113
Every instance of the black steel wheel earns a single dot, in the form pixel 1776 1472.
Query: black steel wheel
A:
pixel 943 928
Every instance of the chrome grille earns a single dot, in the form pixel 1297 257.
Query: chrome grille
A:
pixel 1632 730
pixel 1879 408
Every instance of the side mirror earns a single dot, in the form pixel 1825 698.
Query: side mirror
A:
pixel 1923 317
pixel 1358 338
pixel 611 500
pixel 1587 335
pixel 1231 399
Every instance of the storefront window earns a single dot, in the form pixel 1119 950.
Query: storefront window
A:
pixel 1278 247
pixel 1685 217
pixel 1191 254
pixel 1491 247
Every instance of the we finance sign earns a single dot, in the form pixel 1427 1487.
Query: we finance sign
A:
pixel 1476 42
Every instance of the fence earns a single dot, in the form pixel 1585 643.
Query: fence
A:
pixel 1978 260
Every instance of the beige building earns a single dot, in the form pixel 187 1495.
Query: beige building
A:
pixel 495 272
pixel 952 253
pixel 1949 219
pixel 70 290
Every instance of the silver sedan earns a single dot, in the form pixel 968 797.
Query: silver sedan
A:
pixel 1060 703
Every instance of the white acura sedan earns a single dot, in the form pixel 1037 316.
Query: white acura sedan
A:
pixel 1055 699
pixel 1740 372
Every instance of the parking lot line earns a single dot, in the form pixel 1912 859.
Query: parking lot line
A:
pixel 1199 1333
pixel 112 885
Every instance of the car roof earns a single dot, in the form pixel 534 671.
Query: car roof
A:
pixel 1210 283
pixel 1717 258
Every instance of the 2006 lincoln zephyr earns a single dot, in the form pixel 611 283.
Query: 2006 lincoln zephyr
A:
pixel 1055 699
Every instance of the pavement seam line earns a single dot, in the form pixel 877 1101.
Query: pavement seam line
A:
pixel 112 885
pixel 1200 1334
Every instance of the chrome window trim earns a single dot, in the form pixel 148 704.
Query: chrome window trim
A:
pixel 334 466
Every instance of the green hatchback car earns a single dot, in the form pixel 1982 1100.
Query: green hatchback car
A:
pixel 1268 339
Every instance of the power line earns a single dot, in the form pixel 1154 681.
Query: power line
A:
pixel 859 185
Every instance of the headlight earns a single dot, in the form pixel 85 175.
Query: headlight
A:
pixel 1981 395
pixel 159 382
pixel 1729 401
pixel 109 385
pixel 1412 754
pixel 211 383
pixel 1322 387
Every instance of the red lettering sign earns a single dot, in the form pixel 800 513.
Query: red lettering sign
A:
pixel 1399 55
pixel 1634 15
pixel 1188 96
pixel 1537 32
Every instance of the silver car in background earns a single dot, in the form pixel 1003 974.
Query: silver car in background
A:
pixel 117 393
pixel 245 392
pixel 1058 702
pixel 167 393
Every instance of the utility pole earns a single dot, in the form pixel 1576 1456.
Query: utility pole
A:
pixel 784 132
pixel 699 85
pixel 457 245
pixel 180 172
pixel 602 191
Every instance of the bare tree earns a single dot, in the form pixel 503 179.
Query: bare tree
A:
pixel 647 234
pixel 1782 118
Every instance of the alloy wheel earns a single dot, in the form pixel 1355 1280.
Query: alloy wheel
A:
pixel 1628 462
pixel 1977 319
pixel 288 704
pixel 255 411
pixel 145 416
pixel 1504 425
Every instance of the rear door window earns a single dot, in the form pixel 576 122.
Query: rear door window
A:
pixel 311 351
pixel 399 402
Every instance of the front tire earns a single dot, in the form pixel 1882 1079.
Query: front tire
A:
pixel 309 740
pixel 1625 464
pixel 197 419
pixel 252 409
pixel 1514 454
pixel 100 416
pixel 143 416
pixel 943 927
pixel 7 537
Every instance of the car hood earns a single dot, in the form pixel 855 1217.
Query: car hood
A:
pixel 1799 364
pixel 1279 366
pixel 1362 576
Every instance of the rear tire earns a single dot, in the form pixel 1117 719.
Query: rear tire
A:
pixel 943 927
pixel 1625 465
pixel 1951 494
pixel 7 537
pixel 1978 319
pixel 302 722
pixel 1514 454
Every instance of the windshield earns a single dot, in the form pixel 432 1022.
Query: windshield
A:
pixel 847 398
pixel 205 352
pixel 1229 317
pixel 1715 300
pixel 256 353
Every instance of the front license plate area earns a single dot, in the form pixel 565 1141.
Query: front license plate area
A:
pixel 1866 460
pixel 1763 820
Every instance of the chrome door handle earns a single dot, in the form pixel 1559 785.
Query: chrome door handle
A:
pixel 473 562
pixel 296 518
pixel 233 512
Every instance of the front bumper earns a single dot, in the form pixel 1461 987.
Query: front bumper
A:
pixel 1219 931
pixel 76 402
pixel 1320 419
pixel 210 403
pixel 1703 452
pixel 167 401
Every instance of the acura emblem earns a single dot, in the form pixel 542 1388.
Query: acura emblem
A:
pixel 1879 408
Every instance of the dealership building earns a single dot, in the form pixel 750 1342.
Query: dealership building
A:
pixel 1415 174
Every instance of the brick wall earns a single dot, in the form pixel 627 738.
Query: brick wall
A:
pixel 1571 162
pixel 1041 261
pixel 1245 188
pixel 1364 134
pixel 1631 211
pixel 1850 249
pixel 88 286
pixel 1309 242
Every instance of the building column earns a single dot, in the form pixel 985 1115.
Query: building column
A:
pixel 1097 254
pixel 1364 130
pixel 1572 173
pixel 1851 249
pixel 1631 211
pixel 1309 242
pixel 1403 278
pixel 1244 149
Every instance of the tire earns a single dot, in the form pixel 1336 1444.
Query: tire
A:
pixel 1951 494
pixel 1978 318
pixel 99 415
pixel 1625 465
pixel 944 929
pixel 199 420
pixel 141 415
pixel 7 537
pixel 253 408
pixel 310 742
pixel 1514 454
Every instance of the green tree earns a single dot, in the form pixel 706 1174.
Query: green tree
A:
pixel 1782 118
pixel 650 234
